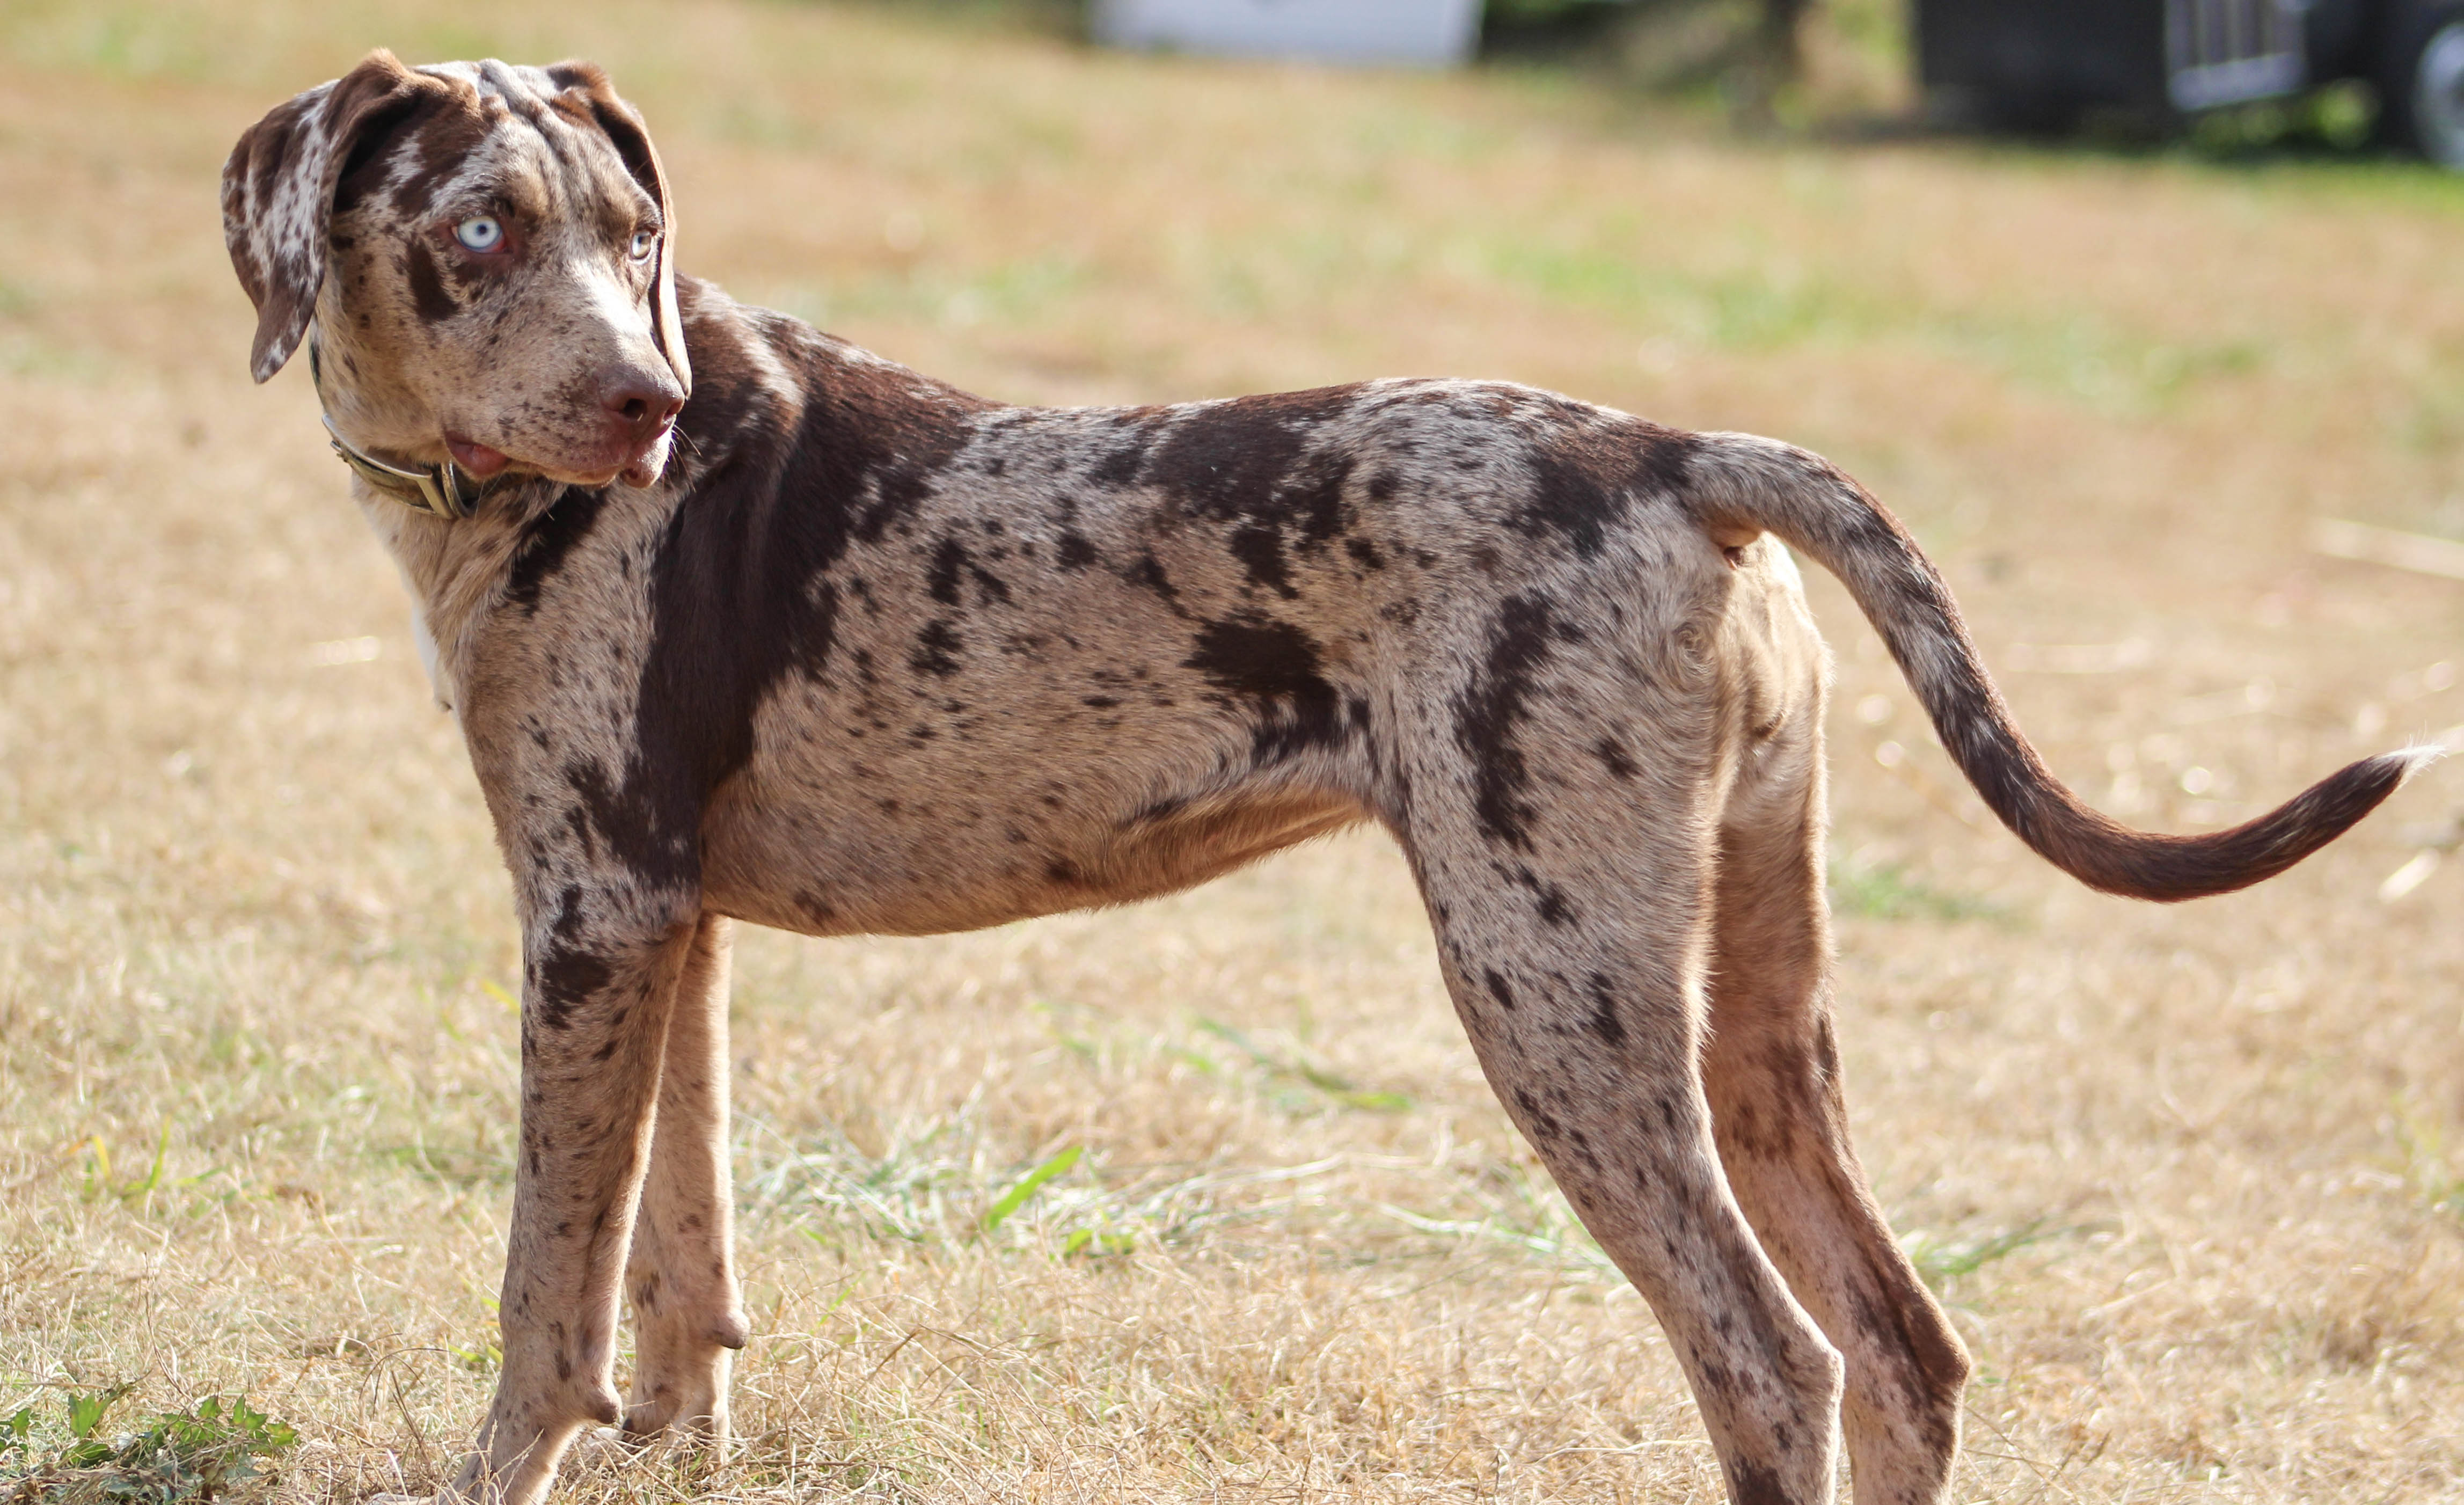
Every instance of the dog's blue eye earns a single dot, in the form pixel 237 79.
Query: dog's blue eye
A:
pixel 643 241
pixel 480 232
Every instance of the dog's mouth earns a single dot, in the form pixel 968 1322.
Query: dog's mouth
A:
pixel 478 458
pixel 635 464
pixel 644 463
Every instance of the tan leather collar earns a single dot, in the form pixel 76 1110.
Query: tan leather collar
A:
pixel 446 491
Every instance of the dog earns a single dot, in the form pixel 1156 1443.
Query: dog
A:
pixel 743 623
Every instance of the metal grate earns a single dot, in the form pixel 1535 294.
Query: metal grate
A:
pixel 2224 52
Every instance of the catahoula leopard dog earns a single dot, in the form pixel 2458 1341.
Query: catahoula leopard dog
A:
pixel 743 623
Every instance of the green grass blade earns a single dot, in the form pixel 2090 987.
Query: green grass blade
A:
pixel 1016 1197
pixel 153 1172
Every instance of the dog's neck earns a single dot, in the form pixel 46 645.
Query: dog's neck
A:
pixel 452 566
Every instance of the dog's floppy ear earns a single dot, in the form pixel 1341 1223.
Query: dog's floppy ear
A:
pixel 278 195
pixel 624 126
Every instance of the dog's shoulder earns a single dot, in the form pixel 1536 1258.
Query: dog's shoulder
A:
pixel 757 367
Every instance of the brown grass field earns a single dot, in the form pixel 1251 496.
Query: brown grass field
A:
pixel 2191 1179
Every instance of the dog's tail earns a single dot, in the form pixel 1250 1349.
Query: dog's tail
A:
pixel 1741 485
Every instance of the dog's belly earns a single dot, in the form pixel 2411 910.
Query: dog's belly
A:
pixel 844 871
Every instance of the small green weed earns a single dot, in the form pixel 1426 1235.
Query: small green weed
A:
pixel 99 1181
pixel 2431 1170
pixel 1516 1205
pixel 1940 1261
pixel 196 1454
pixel 1090 1242
pixel 1301 1072
pixel 1885 892
pixel 936 1186
pixel 1559 1240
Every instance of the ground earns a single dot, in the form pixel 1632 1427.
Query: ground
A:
pixel 2191 1179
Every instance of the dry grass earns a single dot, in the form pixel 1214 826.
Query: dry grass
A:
pixel 2192 1179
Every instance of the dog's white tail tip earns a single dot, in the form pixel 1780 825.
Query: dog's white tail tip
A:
pixel 2411 760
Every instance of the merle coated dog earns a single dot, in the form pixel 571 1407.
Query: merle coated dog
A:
pixel 743 623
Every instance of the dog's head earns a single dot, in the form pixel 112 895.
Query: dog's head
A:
pixel 489 252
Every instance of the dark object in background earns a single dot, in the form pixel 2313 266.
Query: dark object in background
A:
pixel 1777 57
pixel 2045 65
pixel 1750 49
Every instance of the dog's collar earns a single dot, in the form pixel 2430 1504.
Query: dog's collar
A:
pixel 446 491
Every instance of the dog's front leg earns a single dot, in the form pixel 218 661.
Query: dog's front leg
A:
pixel 681 1274
pixel 602 963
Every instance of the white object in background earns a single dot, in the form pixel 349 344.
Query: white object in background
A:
pixel 2417 552
pixel 2411 876
pixel 1425 34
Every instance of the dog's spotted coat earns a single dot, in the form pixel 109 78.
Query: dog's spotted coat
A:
pixel 868 655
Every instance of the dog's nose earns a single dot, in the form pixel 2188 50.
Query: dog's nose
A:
pixel 640 406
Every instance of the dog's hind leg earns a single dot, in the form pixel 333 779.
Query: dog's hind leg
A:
pixel 1771 1070
pixel 680 1275
pixel 1572 935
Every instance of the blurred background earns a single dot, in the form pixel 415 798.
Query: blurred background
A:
pixel 2144 318
pixel 2338 72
